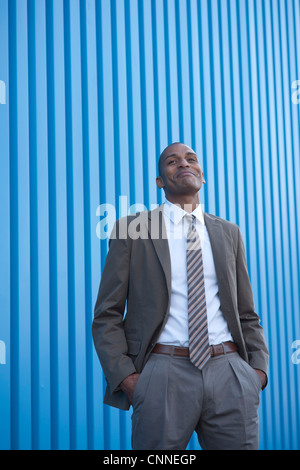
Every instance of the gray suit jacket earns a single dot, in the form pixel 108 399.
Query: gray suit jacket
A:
pixel 138 271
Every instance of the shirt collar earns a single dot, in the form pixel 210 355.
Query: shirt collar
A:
pixel 176 213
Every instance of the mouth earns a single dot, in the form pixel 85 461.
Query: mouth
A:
pixel 185 173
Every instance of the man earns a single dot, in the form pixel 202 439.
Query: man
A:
pixel 190 353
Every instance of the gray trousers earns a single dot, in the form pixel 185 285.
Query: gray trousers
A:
pixel 172 399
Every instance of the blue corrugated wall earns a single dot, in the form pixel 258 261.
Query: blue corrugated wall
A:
pixel 90 93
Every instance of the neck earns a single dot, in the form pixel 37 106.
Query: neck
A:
pixel 186 202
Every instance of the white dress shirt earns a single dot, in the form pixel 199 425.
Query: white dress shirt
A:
pixel 175 331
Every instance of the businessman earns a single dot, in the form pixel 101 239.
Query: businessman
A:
pixel 190 353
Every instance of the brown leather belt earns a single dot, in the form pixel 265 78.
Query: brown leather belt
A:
pixel 215 349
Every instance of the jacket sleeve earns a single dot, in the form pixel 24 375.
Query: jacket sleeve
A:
pixel 107 329
pixel 250 322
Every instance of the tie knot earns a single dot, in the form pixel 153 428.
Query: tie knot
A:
pixel 191 220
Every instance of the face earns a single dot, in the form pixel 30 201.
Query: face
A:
pixel 181 173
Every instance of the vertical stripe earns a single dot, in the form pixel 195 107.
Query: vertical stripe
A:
pixel 13 198
pixel 5 235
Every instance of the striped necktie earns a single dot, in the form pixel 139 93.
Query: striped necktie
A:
pixel 198 332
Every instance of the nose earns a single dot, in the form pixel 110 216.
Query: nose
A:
pixel 183 163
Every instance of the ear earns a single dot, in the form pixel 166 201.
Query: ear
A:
pixel 202 177
pixel 160 182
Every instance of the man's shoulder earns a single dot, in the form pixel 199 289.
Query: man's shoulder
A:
pixel 127 219
pixel 133 226
pixel 226 224
pixel 144 214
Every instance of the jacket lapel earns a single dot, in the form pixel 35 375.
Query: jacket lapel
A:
pixel 217 240
pixel 216 236
pixel 158 235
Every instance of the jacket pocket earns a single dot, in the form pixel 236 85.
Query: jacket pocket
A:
pixel 133 347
